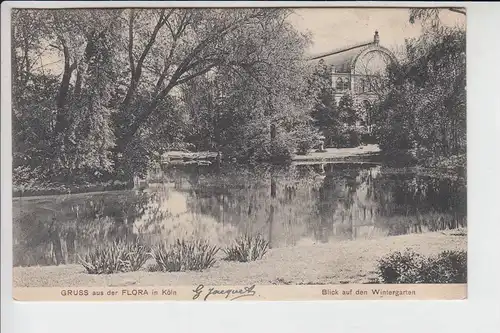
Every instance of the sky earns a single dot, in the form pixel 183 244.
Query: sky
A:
pixel 333 28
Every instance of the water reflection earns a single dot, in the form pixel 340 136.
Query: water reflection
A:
pixel 290 206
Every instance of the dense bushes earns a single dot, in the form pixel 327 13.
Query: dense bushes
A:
pixel 411 267
pixel 450 162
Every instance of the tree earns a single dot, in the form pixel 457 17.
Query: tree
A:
pixel 115 94
pixel 422 118
pixel 425 109
pixel 253 112
pixel 349 117
pixel 185 44
pixel 181 45
pixel 431 15
pixel 69 102
pixel 324 111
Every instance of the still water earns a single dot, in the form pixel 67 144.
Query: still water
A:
pixel 290 206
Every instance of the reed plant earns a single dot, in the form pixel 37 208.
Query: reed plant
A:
pixel 247 248
pixel 184 255
pixel 136 255
pixel 119 256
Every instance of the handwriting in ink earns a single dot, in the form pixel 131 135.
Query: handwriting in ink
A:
pixel 231 294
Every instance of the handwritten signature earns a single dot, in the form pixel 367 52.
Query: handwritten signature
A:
pixel 236 293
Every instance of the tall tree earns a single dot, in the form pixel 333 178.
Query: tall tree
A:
pixel 324 112
pixel 181 45
pixel 118 76
pixel 66 49
pixel 349 116
pixel 235 106
pixel 425 109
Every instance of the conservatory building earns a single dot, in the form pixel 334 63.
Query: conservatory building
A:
pixel 358 69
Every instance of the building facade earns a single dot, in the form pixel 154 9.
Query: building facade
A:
pixel 358 69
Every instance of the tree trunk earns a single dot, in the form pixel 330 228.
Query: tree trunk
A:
pixel 271 210
pixel 273 132
pixel 70 245
pixel 56 243
pixel 62 95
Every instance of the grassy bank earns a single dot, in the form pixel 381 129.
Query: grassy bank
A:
pixel 340 262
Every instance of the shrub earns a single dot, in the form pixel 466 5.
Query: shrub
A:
pixel 368 139
pixel 117 257
pixel 411 267
pixel 451 162
pixel 400 267
pixel 304 146
pixel 306 138
pixel 354 139
pixel 247 248
pixel 280 149
pixel 184 256
pixel 447 267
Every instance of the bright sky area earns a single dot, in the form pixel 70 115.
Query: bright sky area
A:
pixel 333 28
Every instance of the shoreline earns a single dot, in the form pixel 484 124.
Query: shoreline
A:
pixel 185 158
pixel 363 155
pixel 335 263
pixel 359 153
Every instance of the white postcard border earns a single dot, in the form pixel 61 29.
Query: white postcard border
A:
pixel 479 312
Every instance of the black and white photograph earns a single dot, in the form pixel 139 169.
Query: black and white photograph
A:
pixel 249 146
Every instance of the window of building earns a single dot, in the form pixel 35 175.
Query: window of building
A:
pixel 368 85
pixel 346 85
pixel 368 112
pixel 339 84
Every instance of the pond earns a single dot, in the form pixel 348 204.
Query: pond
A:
pixel 290 206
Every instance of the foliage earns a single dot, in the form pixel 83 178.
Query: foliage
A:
pixel 117 257
pixel 136 256
pixel 126 85
pixel 339 124
pixel 247 248
pixel 347 111
pixel 24 177
pixel 450 162
pixel 411 267
pixel 61 117
pixel 324 111
pixel 430 16
pixel 184 256
pixel 254 114
pixel 349 134
pixel 306 137
pixel 424 114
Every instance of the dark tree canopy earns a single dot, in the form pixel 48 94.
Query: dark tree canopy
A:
pixel 425 109
pixel 104 92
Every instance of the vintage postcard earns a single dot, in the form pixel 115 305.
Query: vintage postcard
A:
pixel 250 153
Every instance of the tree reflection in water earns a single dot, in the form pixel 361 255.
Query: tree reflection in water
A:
pixel 293 205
